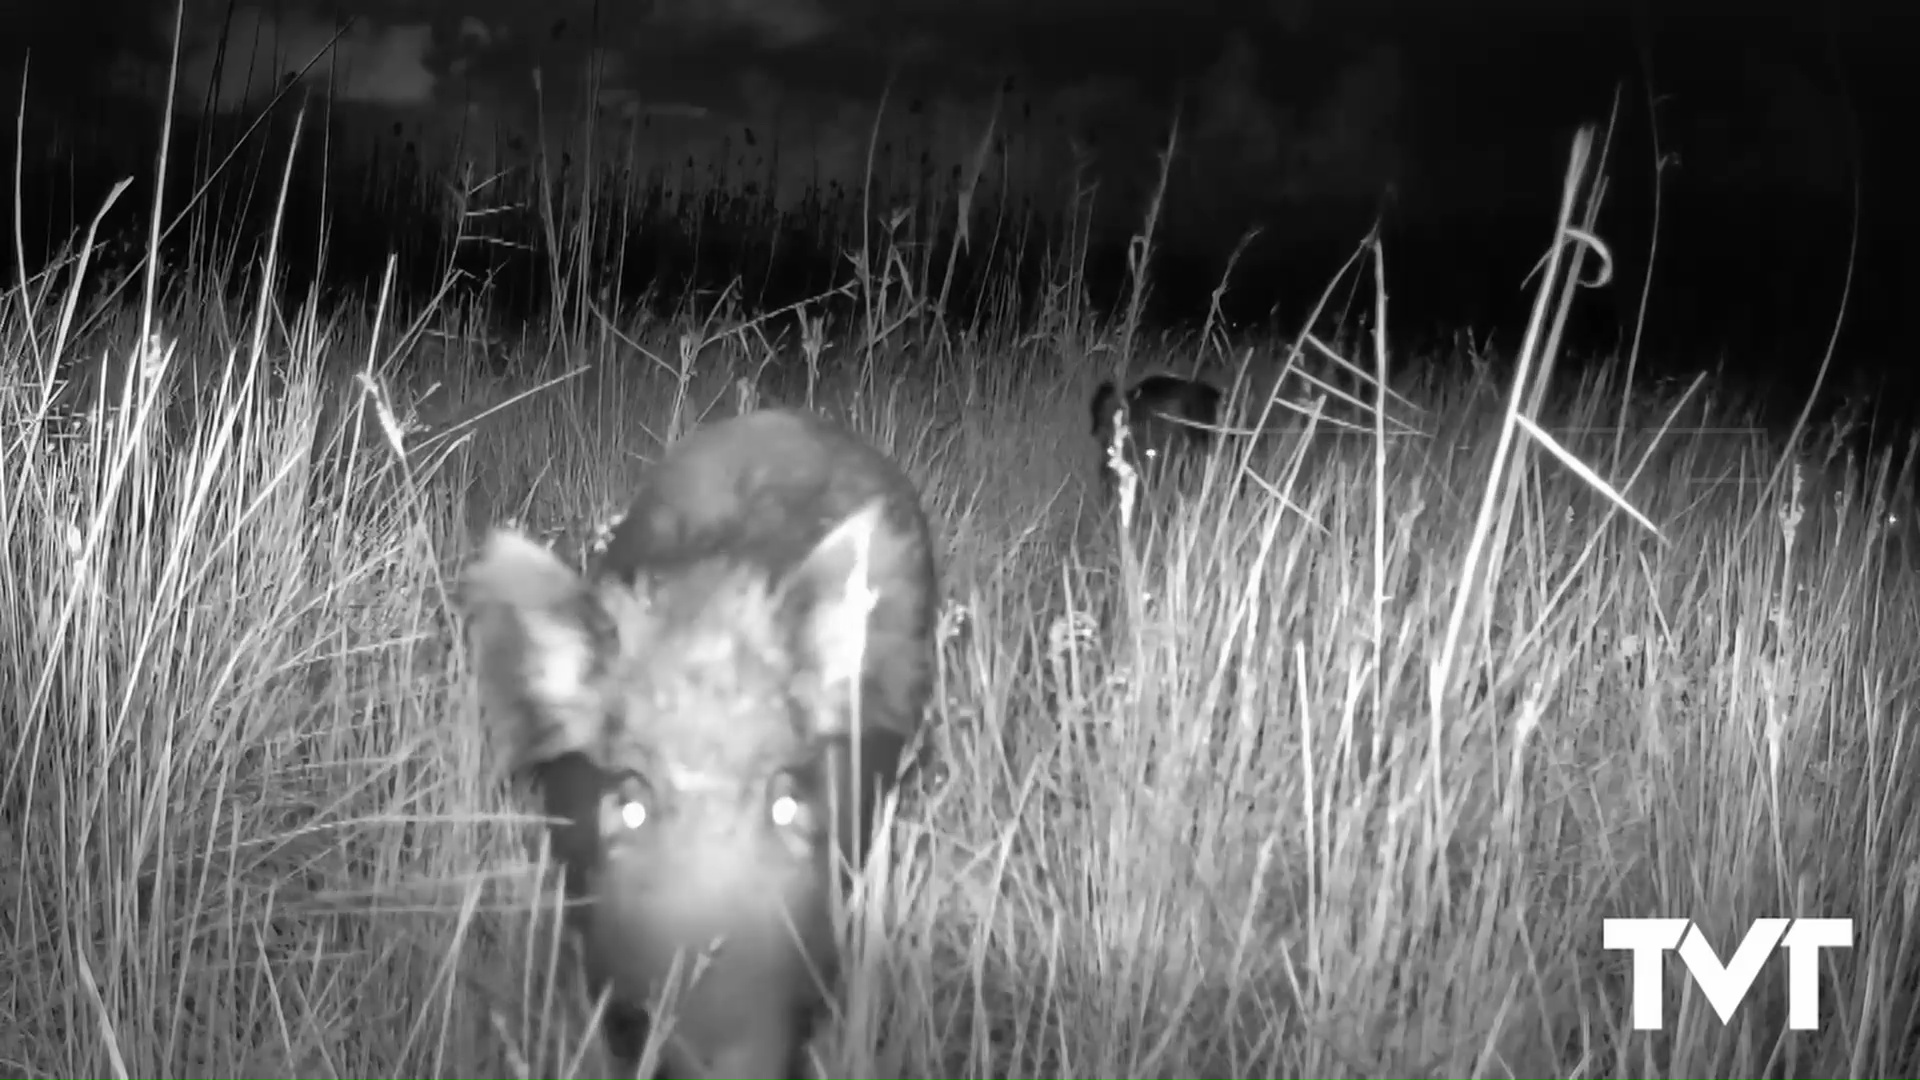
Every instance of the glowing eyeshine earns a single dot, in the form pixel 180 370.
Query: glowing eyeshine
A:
pixel 712 716
pixel 633 812
pixel 785 811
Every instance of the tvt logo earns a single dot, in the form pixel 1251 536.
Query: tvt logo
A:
pixel 1726 985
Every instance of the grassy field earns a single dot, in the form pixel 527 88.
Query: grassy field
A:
pixel 1334 771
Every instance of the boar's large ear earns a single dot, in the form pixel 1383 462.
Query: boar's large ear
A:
pixel 540 643
pixel 831 594
pixel 1105 400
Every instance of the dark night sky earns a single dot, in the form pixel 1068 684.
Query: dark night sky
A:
pixel 1463 110
pixel 1485 71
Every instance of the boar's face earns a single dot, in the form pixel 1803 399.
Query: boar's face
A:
pixel 691 730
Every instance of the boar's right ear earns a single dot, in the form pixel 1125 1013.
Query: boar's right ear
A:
pixel 833 592
pixel 1105 400
pixel 541 640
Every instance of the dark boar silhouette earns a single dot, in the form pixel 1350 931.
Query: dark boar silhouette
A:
pixel 1167 421
pixel 713 714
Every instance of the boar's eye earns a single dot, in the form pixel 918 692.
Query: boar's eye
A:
pixel 789 810
pixel 783 800
pixel 629 804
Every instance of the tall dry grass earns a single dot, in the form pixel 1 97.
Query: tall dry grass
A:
pixel 1331 767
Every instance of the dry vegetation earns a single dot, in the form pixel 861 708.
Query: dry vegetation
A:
pixel 1333 772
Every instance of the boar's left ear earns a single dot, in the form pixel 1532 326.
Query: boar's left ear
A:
pixel 541 639
pixel 831 594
